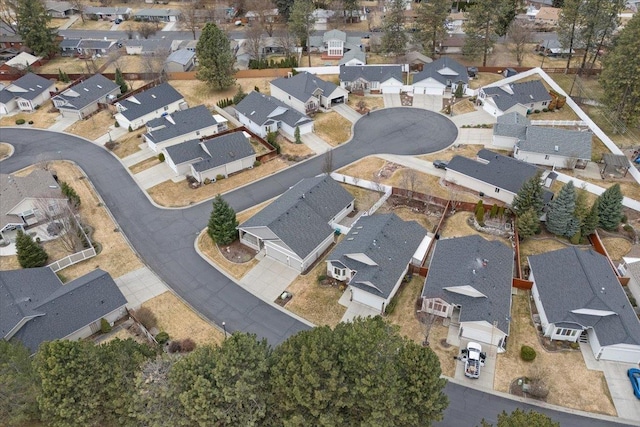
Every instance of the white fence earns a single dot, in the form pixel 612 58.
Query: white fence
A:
pixel 72 259
pixel 369 185
pixel 558 123
pixel 331 69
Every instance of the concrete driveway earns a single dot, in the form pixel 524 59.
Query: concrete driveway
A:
pixel 315 143
pixel 487 372
pixel 347 112
pixel 478 117
pixel 154 175
pixel 268 279
pixel 470 136
pixel 428 102
pixel 392 100
pixel 62 123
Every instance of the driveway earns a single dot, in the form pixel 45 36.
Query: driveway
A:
pixel 347 112
pixel 428 102
pixel 315 143
pixel 487 372
pixel 154 175
pixel 268 279
pixel 62 123
pixel 139 286
pixel 478 117
pixel 470 136
pixel 391 100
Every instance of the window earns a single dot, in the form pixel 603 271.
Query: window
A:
pixel 338 271
pixel 166 108
pixel 546 157
pixel 497 190
pixel 566 332
pixel 544 103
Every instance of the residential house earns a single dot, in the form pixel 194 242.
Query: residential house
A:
pixel 137 109
pixel 296 229
pixel 8 101
pixel 492 174
pixel 509 129
pixel 23 198
pixel 30 91
pixel 38 307
pixel 334 44
pixel 630 267
pixel 184 44
pixel 147 46
pixel 560 148
pixel 440 75
pixel 375 257
pixel 60 9
pixel 551 46
pixel 183 125
pixel 100 47
pixel 547 16
pixel 469 280
pixel 416 60
pixel 307 92
pixel 521 97
pixel 161 15
pixel 372 78
pixel 12 41
pixel 20 63
pixel 69 47
pixel 220 156
pixel 108 13
pixel 180 60
pixel 451 44
pixel 260 16
pixel 263 114
pixel 578 297
pixel 353 57
pixel 456 21
pixel 82 99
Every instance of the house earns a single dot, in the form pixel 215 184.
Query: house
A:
pixel 553 48
pixel 69 47
pixel 578 297
pixel 30 91
pixel 522 97
pixel 375 256
pixel 263 114
pixel 108 13
pixel 82 99
pixel 416 60
pixel 60 9
pixel 509 129
pixel 267 15
pixel 147 46
pixel 137 109
pixel 12 41
pixel 560 148
pixel 492 174
pixel 182 125
pixel 37 307
pixel 19 63
pixel 547 16
pixel 180 60
pixel 469 280
pixel 372 78
pixel 162 15
pixel 456 21
pixel 184 44
pixel 353 57
pixel 334 44
pixel 91 47
pixel 440 75
pixel 307 92
pixel 451 44
pixel 295 229
pixel 8 101
pixel 630 267
pixel 216 157
pixel 22 199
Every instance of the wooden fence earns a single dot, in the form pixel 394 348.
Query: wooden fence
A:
pixel 598 246
pixel 521 284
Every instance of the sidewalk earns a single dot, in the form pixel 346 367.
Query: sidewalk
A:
pixel 413 163
pixel 139 286
pixel 113 134
pixel 317 144
pixel 70 21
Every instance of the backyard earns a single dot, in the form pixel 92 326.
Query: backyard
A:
pixel 197 92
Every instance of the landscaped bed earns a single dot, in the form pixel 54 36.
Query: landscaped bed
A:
pixel 236 269
pixel 129 143
pixel 332 128
pixel 5 150
pixel 457 225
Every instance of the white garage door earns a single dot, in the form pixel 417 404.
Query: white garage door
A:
pixel 419 90
pixel 433 91
pixel 391 89
pixel 70 114
pixel 366 298
pixel 282 257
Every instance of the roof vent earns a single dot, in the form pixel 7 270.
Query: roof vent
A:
pixel 153 96
pixel 555 148
pixel 473 271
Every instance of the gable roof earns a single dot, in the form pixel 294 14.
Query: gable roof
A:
pixel 512 125
pixel 415 56
pixel 179 123
pixel 438 70
pixel 370 73
pixel 572 279
pixel 262 109
pixel 524 93
pixel 224 149
pixel 185 151
pixel 69 43
pixel 148 101
pixel 353 54
pixel 22 61
pixel 559 142
pixel 157 12
pixel 32 86
pixel 386 240
pixel 300 216
pixel 87 92
pixel 6 96
pixel 105 10
pixel 303 85
pixel 334 35
pixel 59 6
pixel 471 261
pixel 96 44
pixel 181 56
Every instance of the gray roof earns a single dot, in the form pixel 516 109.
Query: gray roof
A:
pixel 300 217
pixel 415 56
pixel 303 85
pixel 179 123
pixel 181 56
pixel 389 242
pixel 334 35
pixel 187 151
pixel 260 108
pixel 99 10
pixel 559 142
pixel 6 96
pixel 59 309
pixel 95 44
pixel 149 100
pixel 512 125
pixel 353 54
pixel 70 43
pixel 572 279
pixel 485 265
pixel 524 93
pixel 370 73
pixel 149 46
pixel 224 149
pixel 59 6
pixel 435 69
pixel 87 92
pixel 157 12
pixel 33 84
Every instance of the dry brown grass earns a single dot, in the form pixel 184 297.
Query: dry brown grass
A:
pixel 617 247
pixel 5 149
pixel 174 194
pixel 70 65
pixel 129 143
pixel 90 24
pixel 483 79
pixel 469 151
pixel 407 214
pixel 628 187
pixel 128 64
pixel 366 168
pixel 318 304
pixel 371 102
pixel 9 263
pixel 208 248
pixel 180 321
pixel 457 226
pixel 332 127
pixel 144 165
pixel 628 139
pixel 41 117
pixel 290 148
pixel 564 113
pixel 571 384
pixel 93 127
pixel 463 107
pixel 429 184
pixel 535 246
pixel 365 199
pixel 197 92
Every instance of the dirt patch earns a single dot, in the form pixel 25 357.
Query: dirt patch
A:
pixel 42 118
pixel 463 107
pixel 332 128
pixel 365 199
pixel 412 210
pixel 71 65
pixel 616 247
pixel 144 165
pixel 370 102
pixel 93 127
pixel 213 253
pixel 5 150
pixel 129 143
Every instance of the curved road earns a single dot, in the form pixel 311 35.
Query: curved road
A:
pixel 164 238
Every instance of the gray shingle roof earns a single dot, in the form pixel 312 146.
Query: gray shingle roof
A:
pixel 87 92
pixel 460 261
pixel 185 151
pixel 435 69
pixel 99 10
pixel 157 12
pixel 560 142
pixel 334 35
pixel 353 54
pixel 370 73
pixel 260 108
pixel 149 46
pixel 303 85
pixel 149 100
pixel 96 44
pixel 33 84
pixel 512 125
pixel 59 309
pixel 572 279
pixel 6 96
pixel 224 149
pixel 300 216
pixel 181 56
pixel 69 43
pixel 524 93
pixel 59 6
pixel 389 242
pixel 184 122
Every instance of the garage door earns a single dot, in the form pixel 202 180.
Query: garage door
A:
pixel 391 89
pixel 366 298
pixel 476 334
pixel 282 257
pixel 419 90
pixel 69 114
pixel 338 100
pixel 433 91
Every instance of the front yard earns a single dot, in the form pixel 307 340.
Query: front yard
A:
pixel 212 252
pixel 93 127
pixel 371 102
pixel 42 118
pixel 332 128
pixel 129 143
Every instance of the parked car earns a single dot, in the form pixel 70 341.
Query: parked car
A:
pixel 634 377
pixel 118 21
pixel 472 71
pixel 440 164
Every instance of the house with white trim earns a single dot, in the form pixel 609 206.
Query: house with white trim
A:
pixel 440 75
pixel 263 114
pixel 137 109
pixel 372 78
pixel 29 92
pixel 82 99
pixel 520 97
pixel 307 92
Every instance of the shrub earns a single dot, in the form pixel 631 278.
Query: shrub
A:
pixel 188 345
pixel 20 121
pixel 161 157
pixel 321 277
pixel 219 177
pixel 207 181
pixel 624 219
pixel 130 128
pixel 575 239
pixel 146 317
pixel 627 228
pixel 70 193
pixel 110 145
pixel 256 88
pixel 574 345
pixel 545 110
pixel 162 337
pixel 527 353
pixel 37 107
pixel 104 326
pixel 116 124
pixel 501 212
pixel 239 96
pixel 175 347
pixel 191 179
pixel 256 163
pixel 480 215
pixel 494 211
pixel 536 111
pixel 389 309
pixel 478 206
pixel 30 122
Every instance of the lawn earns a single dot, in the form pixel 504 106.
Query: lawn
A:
pixel 428 184
pixel 212 252
pixel 483 79
pixel 365 199
pixel 539 245
pixel 5 150
pixel 371 102
pixel 70 65
pixel 42 117
pixel 93 127
pixel 616 247
pixel 289 149
pixel 469 151
pixel 332 128
pixel 90 24
pixel 564 113
pixel 196 92
pixel 407 214
pixel 129 143
pixel 144 165
pixel 366 168
pixel 128 64
pixel 456 225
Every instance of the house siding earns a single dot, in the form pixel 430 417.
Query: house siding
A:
pixel 479 186
pixel 304 129
pixel 208 131
pixel 292 102
pixel 141 121
pixel 86 330
pixel 26 105
pixel 256 128
pixel 225 170
pixel 541 159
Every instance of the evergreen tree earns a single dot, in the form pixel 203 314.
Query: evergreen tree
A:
pixel 520 418
pixel 71 194
pixel 296 135
pixel 30 254
pixel 430 29
pixel 394 39
pixel 121 82
pixel 19 385
pixel 561 211
pixel 33 25
pixel 222 223
pixel 301 22
pixel 610 208
pixel 506 14
pixel 481 28
pixel 569 26
pixel 215 58
pixel 284 7
pixel 600 19
pixel 527 224
pixel 531 195
pixel 590 221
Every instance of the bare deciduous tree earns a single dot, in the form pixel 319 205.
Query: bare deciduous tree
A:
pixel 253 43
pixel 191 19
pixel 410 181
pixel 264 16
pixel 427 320
pixel 80 6
pixel 8 17
pixel 519 35
pixel 64 224
pixel 147 29
pixel 154 63
pixel 286 41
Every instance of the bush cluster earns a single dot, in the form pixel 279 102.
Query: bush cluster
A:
pixel 161 157
pixel 146 317
pixel 224 102
pixel 184 346
pixel 105 327
pixel 162 337
pixel 260 64
pixel 527 353
pixel 20 121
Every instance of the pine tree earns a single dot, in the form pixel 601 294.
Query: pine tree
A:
pixel 121 82
pixel 569 26
pixel 481 28
pixel 520 418
pixel 301 22
pixel 590 221
pixel 30 254
pixel 296 135
pixel 610 208
pixel 394 39
pixel 531 195
pixel 33 25
pixel 430 29
pixel 527 224
pixel 560 214
pixel 222 223
pixel 215 58
pixel 19 382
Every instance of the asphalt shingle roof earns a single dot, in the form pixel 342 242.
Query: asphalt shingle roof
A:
pixel 485 265
pixel 157 12
pixel 99 10
pixel 353 54
pixel 32 84
pixel 261 109
pixel 572 279
pixel 524 93
pixel 224 149
pixel 370 73
pixel 300 216
pixel 560 142
pixel 389 242
pixel 6 96
pixel 184 122
pixel 181 56
pixel 512 125
pixel 185 151
pixel 303 85
pixel 149 101
pixel 69 43
pixel 435 69
pixel 87 92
